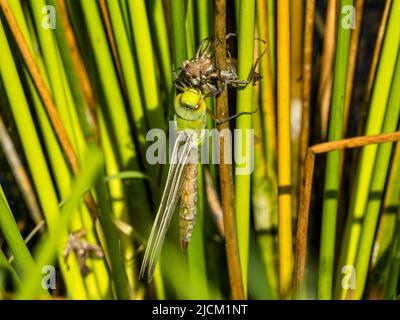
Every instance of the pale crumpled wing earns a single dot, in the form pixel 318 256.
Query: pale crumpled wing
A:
pixel 169 199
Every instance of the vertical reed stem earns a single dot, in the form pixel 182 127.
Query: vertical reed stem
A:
pixel 332 175
pixel 284 151
pixel 226 179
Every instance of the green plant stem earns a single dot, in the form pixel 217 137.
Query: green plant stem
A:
pixel 118 204
pixel 366 161
pixel 30 143
pixel 6 266
pixel 147 65
pixel 161 44
pixel 178 31
pixel 84 103
pixel 267 91
pixel 109 80
pixel 55 71
pixel 127 22
pixel 29 38
pixel 83 123
pixel 391 288
pixel 378 181
pixel 190 36
pixel 113 243
pixel 244 125
pixel 19 173
pixel 27 131
pixel 264 206
pixel 47 248
pixel 62 180
pixel 97 281
pixel 9 230
pixel 114 112
pixel 130 75
pixel 332 175
pixel 387 223
pixel 114 105
pixel 203 18
pixel 272 37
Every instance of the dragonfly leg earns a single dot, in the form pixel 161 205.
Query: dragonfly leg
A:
pixel 212 90
pixel 253 69
pixel 180 83
pixel 180 86
pixel 221 121
pixel 212 115
pixel 253 76
pixel 230 35
pixel 203 51
pixel 238 82
pixel 175 74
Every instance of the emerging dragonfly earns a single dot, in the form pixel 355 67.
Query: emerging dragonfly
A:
pixel 190 120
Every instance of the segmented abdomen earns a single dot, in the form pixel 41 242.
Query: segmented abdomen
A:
pixel 188 204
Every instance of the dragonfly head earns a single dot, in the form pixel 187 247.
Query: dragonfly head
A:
pixel 190 105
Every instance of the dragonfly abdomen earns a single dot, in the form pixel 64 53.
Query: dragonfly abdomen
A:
pixel 188 204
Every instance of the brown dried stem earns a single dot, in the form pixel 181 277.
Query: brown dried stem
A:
pixel 307 75
pixel 226 179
